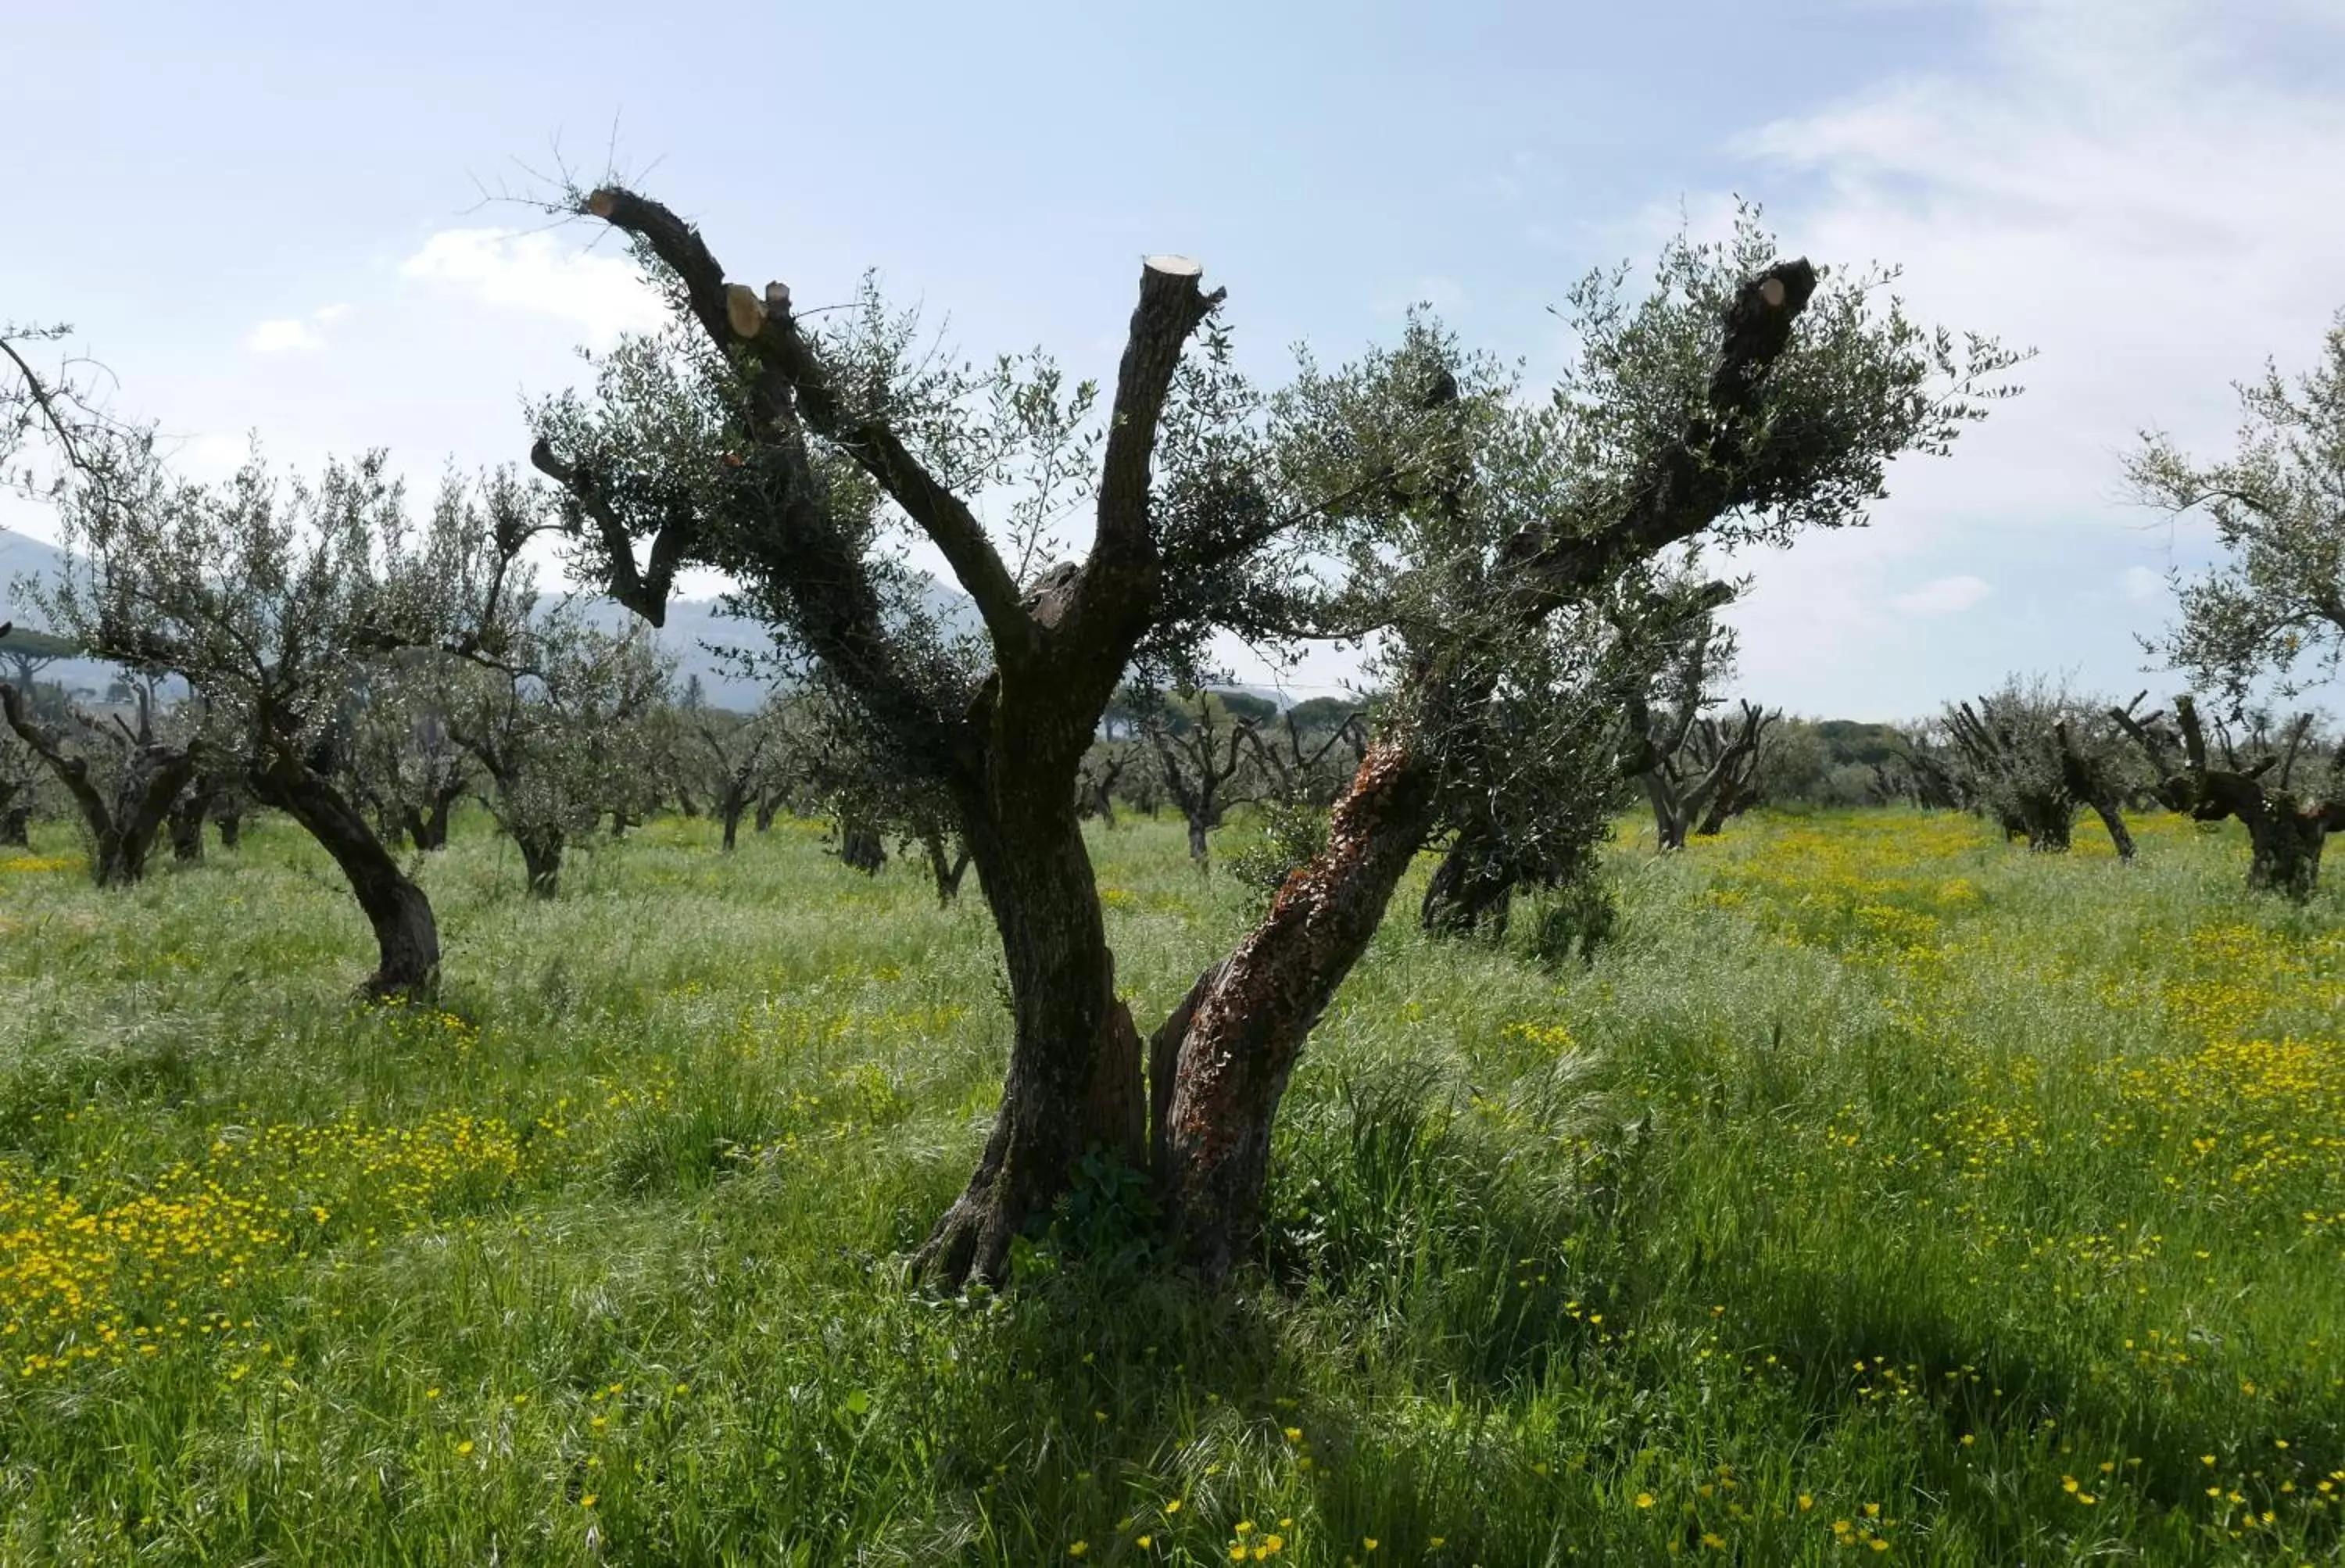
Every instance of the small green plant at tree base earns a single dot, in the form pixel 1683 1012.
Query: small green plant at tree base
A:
pixel 1291 836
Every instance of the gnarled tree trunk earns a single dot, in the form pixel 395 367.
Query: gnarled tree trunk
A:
pixel 946 870
pixel 1220 1064
pixel 1074 1082
pixel 188 824
pixel 861 846
pixel 407 937
pixel 540 862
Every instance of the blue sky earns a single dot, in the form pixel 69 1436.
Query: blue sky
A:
pixel 271 218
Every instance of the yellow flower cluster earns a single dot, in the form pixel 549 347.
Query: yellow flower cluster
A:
pixel 86 1278
pixel 33 864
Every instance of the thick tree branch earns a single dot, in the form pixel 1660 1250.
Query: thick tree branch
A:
pixel 782 370
pixel 1692 481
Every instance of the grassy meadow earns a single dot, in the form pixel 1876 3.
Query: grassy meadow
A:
pixel 1878 1193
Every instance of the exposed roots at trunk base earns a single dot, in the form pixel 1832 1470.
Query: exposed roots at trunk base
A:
pixel 1032 1157
pixel 971 1244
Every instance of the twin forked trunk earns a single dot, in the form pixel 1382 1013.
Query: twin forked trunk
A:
pixel 1217 1067
pixel 427 824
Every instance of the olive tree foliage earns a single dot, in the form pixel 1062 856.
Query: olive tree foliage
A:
pixel 554 711
pixel 1538 783
pixel 2274 606
pixel 1412 497
pixel 834 766
pixel 267 596
pixel 2031 754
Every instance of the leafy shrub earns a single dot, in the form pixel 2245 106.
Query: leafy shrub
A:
pixel 1291 836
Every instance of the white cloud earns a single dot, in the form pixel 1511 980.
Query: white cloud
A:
pixel 2142 584
pixel 292 334
pixel 289 334
pixel 1944 597
pixel 601 295
pixel 2149 192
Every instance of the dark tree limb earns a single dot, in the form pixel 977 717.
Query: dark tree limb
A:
pixel 786 378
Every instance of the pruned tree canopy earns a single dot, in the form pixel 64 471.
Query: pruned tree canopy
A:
pixel 1413 496
pixel 2274 606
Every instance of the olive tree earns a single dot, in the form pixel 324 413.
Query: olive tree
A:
pixel 121 778
pixel 1695 769
pixel 1414 497
pixel 1205 756
pixel 554 710
pixel 2274 605
pixel 400 758
pixel 268 597
pixel 2287 819
pixel 2031 755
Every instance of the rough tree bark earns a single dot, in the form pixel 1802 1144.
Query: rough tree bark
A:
pixel 407 937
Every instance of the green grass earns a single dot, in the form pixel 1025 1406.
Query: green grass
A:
pixel 1877 1181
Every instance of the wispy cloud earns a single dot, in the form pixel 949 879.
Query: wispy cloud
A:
pixel 602 296
pixel 2152 193
pixel 294 334
pixel 289 334
pixel 1944 597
